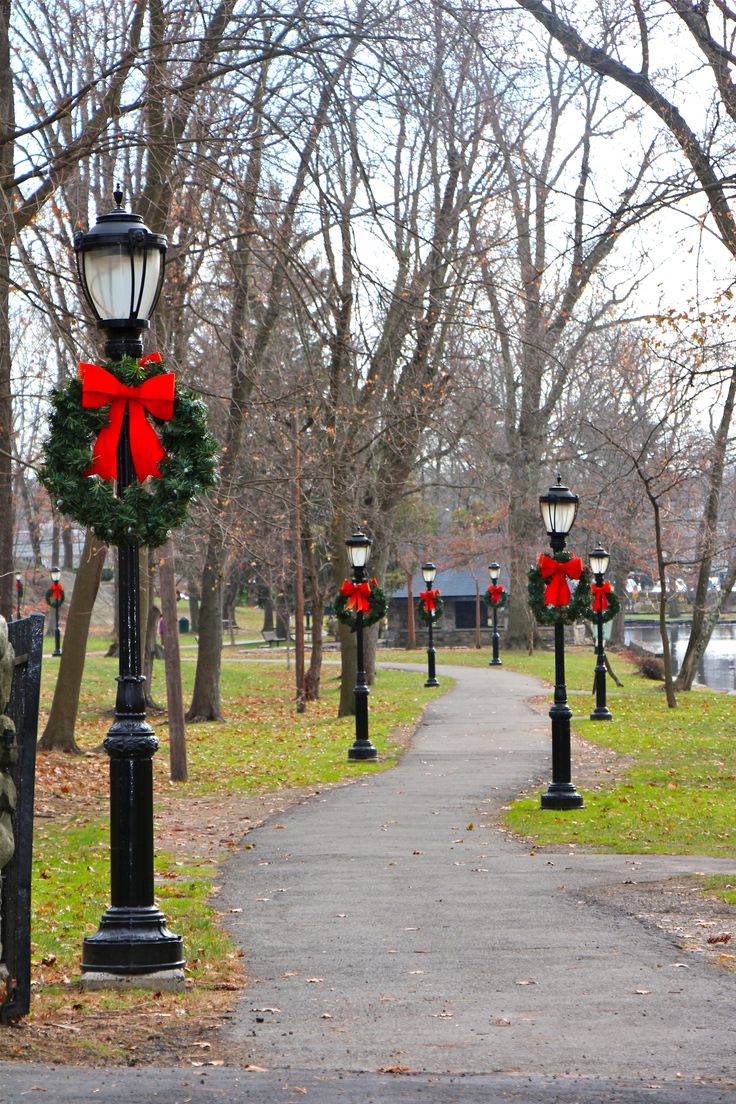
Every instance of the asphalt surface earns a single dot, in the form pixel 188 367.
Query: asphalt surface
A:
pixel 401 947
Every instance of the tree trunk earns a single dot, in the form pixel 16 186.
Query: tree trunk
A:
pixel 59 732
pixel 193 608
pixel 266 603
pixel 298 573
pixel 205 705
pixel 699 631
pixel 114 648
pixel 150 652
pixel 525 535
pixel 6 408
pixel 67 542
pixel 313 675
pixel 411 627
pixel 172 662
pixel 348 671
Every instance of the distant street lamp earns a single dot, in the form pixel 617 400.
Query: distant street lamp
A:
pixel 56 597
pixel 559 509
pixel 359 551
pixel 598 563
pixel 18 593
pixel 429 572
pixel 494 570
pixel 121 270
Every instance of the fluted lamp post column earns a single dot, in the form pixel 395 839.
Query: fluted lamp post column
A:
pixel 359 551
pixel 121 270
pixel 18 594
pixel 559 509
pixel 598 564
pixel 494 571
pixel 429 573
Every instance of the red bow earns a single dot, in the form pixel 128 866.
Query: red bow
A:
pixel 155 395
pixel 19 586
pixel 358 595
pixel 600 602
pixel 495 592
pixel 57 591
pixel 558 592
pixel 428 597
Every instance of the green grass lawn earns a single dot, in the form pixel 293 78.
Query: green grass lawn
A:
pixel 675 790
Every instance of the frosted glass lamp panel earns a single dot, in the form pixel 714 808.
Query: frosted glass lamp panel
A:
pixel 558 515
pixel 108 273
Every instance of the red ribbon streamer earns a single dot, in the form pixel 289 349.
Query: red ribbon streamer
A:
pixel 155 395
pixel 57 591
pixel 428 597
pixel 600 602
pixel 358 595
pixel 558 592
pixel 495 592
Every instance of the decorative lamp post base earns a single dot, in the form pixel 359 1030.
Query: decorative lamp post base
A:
pixel 132 940
pixel 562 795
pixel 495 663
pixel 601 713
pixel 432 682
pixel 362 750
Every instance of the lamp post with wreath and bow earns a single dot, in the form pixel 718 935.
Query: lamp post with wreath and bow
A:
pixel 559 509
pixel 430 608
pixel 55 598
pixel 129 481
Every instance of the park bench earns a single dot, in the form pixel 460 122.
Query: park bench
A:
pixel 271 637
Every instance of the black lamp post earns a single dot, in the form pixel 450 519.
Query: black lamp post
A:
pixel 359 551
pixel 121 269
pixel 494 570
pixel 559 508
pixel 56 602
pixel 18 594
pixel 598 563
pixel 429 572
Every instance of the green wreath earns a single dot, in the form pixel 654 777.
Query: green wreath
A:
pixel 439 609
pixel 377 606
pixel 576 608
pixel 613 607
pixel 503 600
pixel 145 513
pixel 55 603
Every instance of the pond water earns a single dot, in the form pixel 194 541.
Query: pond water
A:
pixel 718 666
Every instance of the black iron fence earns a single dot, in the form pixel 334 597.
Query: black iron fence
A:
pixel 26 636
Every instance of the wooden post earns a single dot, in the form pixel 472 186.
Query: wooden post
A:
pixel 298 576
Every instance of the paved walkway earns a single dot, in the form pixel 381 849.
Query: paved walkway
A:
pixel 383 932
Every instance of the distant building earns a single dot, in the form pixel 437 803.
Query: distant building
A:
pixel 456 627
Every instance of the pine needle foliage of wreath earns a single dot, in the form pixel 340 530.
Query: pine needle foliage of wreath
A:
pixel 55 603
pixel 378 604
pixel 439 608
pixel 614 607
pixel 579 602
pixel 145 514
pixel 503 600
